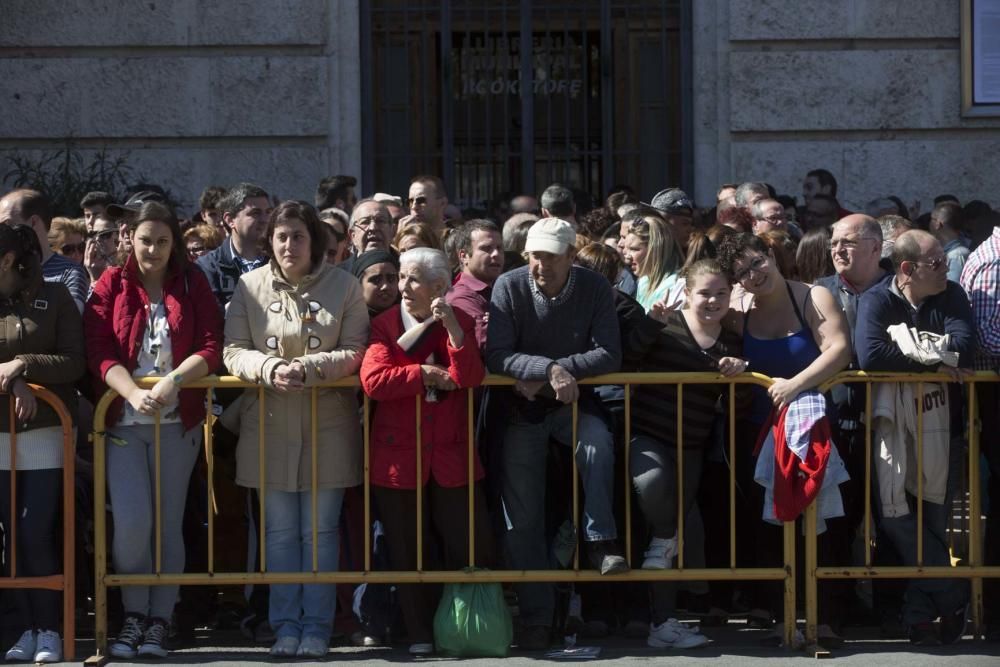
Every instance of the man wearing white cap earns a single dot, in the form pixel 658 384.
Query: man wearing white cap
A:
pixel 552 324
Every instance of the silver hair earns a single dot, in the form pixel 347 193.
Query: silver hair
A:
pixel 744 191
pixel 431 264
pixel 357 207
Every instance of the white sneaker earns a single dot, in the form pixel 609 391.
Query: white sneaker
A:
pixel 49 647
pixel 673 634
pixel 24 649
pixel 660 554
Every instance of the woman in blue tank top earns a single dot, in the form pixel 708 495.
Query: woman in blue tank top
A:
pixel 798 336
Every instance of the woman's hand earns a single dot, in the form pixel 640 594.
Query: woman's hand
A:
pixel 8 371
pixel 730 366
pixel 437 377
pixel 25 404
pixel 289 377
pixel 165 391
pixel 783 392
pixel 442 311
pixel 143 401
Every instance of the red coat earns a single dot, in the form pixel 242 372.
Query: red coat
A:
pixel 114 323
pixel 391 377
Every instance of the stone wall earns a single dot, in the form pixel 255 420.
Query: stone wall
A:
pixel 869 89
pixel 195 92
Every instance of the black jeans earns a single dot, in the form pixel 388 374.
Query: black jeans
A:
pixel 39 495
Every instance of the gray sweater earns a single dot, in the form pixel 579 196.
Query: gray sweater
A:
pixel 577 330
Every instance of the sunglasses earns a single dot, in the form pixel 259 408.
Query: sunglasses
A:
pixel 934 264
pixel 73 248
pixel 418 201
pixel 102 235
pixel 756 266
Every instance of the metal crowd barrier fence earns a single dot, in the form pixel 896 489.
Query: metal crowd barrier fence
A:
pixel 65 582
pixel 786 573
pixel 974 571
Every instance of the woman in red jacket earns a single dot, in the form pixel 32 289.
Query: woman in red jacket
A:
pixel 436 359
pixel 154 316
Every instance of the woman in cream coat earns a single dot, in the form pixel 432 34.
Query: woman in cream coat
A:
pixel 294 324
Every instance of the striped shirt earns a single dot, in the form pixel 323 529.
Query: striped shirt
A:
pixel 58 269
pixel 671 348
pixel 981 280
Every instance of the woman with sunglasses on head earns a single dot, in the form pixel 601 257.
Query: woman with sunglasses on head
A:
pixel 792 332
pixel 653 255
pixel 153 316
pixel 42 343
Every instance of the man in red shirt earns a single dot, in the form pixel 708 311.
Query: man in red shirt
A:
pixel 480 251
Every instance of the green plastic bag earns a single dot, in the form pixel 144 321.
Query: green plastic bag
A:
pixel 473 621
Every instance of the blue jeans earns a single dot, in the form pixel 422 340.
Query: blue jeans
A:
pixel 299 610
pixel 926 599
pixel 525 451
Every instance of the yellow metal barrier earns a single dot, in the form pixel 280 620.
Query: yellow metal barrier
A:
pixel 975 571
pixel 65 582
pixel 785 573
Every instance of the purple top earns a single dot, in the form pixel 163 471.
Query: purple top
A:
pixel 472 296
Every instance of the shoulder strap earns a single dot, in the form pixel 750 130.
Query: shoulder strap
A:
pixel 795 306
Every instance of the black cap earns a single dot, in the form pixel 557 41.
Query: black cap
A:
pixel 134 203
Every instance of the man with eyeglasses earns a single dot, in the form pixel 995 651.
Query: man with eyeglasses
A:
pixel 769 214
pixel 855 248
pixel 371 228
pixel 920 296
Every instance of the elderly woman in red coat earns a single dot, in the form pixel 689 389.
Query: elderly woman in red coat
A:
pixel 422 347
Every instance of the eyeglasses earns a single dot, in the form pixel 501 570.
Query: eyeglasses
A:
pixel 102 235
pixel 73 248
pixel 196 250
pixel 849 244
pixel 756 266
pixel 365 223
pixel 933 264
pixel 774 219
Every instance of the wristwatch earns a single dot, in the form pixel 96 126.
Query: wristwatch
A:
pixel 177 378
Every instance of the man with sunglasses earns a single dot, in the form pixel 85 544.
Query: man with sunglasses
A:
pixel 919 295
pixel 427 199
pixel 102 247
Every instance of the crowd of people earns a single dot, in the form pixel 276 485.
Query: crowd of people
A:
pixel 421 302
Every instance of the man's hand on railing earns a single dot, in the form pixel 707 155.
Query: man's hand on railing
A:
pixel 956 374
pixel 529 388
pixel 9 370
pixel 25 404
pixel 563 383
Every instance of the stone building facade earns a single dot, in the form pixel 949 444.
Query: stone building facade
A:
pixel 215 92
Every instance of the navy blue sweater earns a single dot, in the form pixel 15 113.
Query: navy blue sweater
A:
pixel 946 313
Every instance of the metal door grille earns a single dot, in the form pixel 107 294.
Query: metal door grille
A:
pixel 445 82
